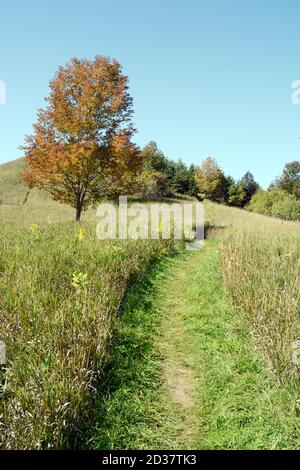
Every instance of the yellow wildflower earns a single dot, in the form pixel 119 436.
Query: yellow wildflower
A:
pixel 81 233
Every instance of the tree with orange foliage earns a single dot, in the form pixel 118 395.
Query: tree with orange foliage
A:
pixel 211 181
pixel 81 148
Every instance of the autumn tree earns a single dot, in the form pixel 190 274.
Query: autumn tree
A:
pixel 211 181
pixel 81 148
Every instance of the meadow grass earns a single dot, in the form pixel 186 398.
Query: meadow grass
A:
pixel 131 410
pixel 260 259
pixel 238 404
pixel 183 372
pixel 60 293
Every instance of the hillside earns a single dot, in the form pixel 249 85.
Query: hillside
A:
pixel 12 190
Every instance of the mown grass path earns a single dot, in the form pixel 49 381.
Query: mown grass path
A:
pixel 184 372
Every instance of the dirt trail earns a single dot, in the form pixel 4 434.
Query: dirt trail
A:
pixel 180 383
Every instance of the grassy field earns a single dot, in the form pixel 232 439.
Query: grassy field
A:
pixel 61 290
pixel 260 259
pixel 184 373
pixel 199 355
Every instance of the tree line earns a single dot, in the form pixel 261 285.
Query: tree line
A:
pixel 163 177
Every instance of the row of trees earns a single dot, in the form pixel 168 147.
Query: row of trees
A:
pixel 163 177
pixel 214 185
pixel 281 199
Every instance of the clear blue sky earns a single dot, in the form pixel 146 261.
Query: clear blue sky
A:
pixel 208 77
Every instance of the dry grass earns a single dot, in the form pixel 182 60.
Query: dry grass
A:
pixel 59 299
pixel 260 260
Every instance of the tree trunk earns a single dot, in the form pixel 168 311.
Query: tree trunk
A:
pixel 78 212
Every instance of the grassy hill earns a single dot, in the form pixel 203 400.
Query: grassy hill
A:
pixel 12 190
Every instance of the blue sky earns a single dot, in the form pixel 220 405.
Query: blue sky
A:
pixel 207 77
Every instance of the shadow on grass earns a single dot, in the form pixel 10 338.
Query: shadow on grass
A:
pixel 209 227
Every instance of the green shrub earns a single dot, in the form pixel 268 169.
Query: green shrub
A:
pixel 275 203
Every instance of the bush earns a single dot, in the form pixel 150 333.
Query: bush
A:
pixel 275 203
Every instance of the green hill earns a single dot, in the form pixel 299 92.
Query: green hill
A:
pixel 12 190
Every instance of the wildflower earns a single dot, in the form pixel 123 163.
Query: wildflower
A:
pixel 33 227
pixel 81 234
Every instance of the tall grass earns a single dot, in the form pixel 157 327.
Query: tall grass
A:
pixel 60 293
pixel 260 260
